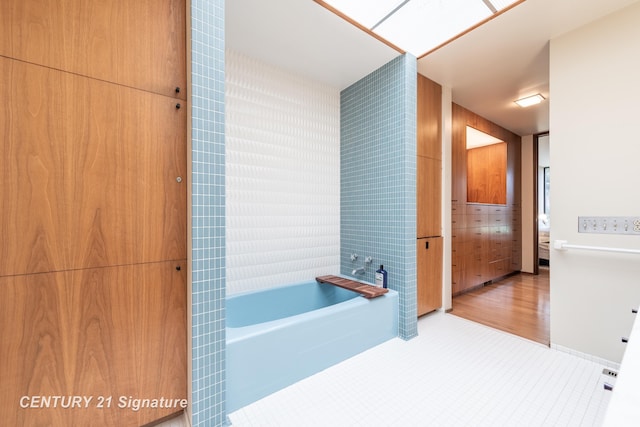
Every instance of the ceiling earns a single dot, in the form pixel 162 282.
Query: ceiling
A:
pixel 486 69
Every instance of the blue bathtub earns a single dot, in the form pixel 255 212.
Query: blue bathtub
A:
pixel 278 336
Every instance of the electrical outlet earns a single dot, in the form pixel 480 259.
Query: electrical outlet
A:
pixel 609 372
pixel 609 224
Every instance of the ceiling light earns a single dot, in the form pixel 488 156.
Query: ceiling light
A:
pixel 528 101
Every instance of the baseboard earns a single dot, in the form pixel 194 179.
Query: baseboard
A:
pixel 604 362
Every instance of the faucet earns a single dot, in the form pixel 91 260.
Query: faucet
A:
pixel 359 270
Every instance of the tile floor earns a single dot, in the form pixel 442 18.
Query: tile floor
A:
pixel 455 373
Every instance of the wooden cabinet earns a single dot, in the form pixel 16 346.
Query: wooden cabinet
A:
pixel 429 119
pixel 429 196
pixel 115 331
pixel 429 200
pixel 89 173
pixel 485 244
pixel 429 271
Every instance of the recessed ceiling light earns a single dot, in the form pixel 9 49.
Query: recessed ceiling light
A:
pixel 528 101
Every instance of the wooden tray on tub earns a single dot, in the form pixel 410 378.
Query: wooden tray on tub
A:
pixel 367 291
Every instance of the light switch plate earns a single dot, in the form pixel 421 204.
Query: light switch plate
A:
pixel 609 224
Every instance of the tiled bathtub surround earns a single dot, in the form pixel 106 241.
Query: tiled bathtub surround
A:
pixel 282 176
pixel 208 194
pixel 378 180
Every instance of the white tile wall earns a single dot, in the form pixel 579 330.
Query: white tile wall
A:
pixel 455 373
pixel 282 176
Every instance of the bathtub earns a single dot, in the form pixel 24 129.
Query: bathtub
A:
pixel 278 336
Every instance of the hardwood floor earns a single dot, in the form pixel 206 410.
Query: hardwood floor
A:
pixel 518 304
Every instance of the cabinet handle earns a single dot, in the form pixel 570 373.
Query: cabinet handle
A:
pixel 634 310
pixel 426 245
pixel 625 339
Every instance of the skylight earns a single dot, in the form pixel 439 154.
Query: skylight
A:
pixel 419 26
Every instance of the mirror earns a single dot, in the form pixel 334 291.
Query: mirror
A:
pixel 486 168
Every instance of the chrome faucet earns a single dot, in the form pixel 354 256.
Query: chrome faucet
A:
pixel 356 271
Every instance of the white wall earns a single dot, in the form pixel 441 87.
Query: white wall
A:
pixel 526 154
pixel 282 176
pixel 595 150
pixel 447 156
pixel 543 161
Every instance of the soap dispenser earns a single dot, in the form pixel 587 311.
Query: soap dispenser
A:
pixel 381 277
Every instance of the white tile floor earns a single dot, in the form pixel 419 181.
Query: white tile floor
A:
pixel 455 373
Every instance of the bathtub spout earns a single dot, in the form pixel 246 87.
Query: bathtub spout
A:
pixel 357 271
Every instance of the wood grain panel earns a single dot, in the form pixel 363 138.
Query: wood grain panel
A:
pixel 461 118
pixel 429 118
pixel 118 331
pixel 429 274
pixel 514 175
pixel 138 43
pixel 487 174
pixel 459 154
pixel 88 173
pixel 428 197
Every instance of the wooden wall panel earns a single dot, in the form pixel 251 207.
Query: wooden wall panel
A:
pixel 487 174
pixel 459 154
pixel 461 118
pixel 92 146
pixel 137 43
pixel 118 331
pixel 88 173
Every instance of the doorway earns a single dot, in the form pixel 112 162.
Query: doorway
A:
pixel 542 207
pixel 519 303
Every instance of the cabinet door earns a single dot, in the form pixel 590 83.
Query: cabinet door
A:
pixel 429 272
pixel 88 174
pixel 136 44
pixel 104 334
pixel 429 114
pixel 428 183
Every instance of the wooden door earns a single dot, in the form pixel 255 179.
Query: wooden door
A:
pixel 429 274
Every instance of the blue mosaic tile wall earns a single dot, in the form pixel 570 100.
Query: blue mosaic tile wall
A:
pixel 378 180
pixel 208 214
